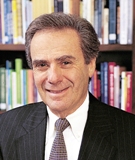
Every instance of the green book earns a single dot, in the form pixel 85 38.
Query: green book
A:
pixel 18 68
pixel 2 88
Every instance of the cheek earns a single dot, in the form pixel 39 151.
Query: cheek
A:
pixel 38 79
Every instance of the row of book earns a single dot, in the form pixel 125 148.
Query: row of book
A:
pixel 112 19
pixel 17 86
pixel 113 85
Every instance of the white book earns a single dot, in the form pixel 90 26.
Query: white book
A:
pixel 130 22
pixel 123 21
pixel 66 6
pixel 123 90
pixel 116 86
pixel 14 90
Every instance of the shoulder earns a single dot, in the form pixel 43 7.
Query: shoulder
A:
pixel 116 116
pixel 21 112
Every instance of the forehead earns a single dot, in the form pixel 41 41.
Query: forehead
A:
pixel 54 42
pixel 59 35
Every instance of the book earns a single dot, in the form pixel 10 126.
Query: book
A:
pixel 88 10
pixel 112 21
pixel 130 22
pixel 2 88
pixel 117 86
pixel 2 21
pixel 96 15
pixel 123 90
pixel 30 82
pixel 19 22
pixel 18 67
pixel 14 90
pixel 8 84
pixel 24 86
pixel 9 22
pixel 106 24
pixel 58 5
pixel 6 38
pixel 15 21
pixel 118 21
pixel 129 92
pixel 100 16
pixel 123 21
pixel 104 82
pixel 111 83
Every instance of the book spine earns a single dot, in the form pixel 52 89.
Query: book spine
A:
pixel 100 21
pixel 18 67
pixel 123 21
pixel 106 26
pixel 111 83
pixel 118 21
pixel 130 22
pixel 112 21
pixel 102 80
pixel 30 81
pixel 96 15
pixel 0 23
pixel 129 92
pixel 117 86
pixel 15 20
pixel 123 90
pixel 105 87
pixel 6 38
pixel 2 88
pixel 19 22
pixel 8 84
pixel 14 90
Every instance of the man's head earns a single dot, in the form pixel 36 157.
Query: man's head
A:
pixel 88 37
pixel 62 61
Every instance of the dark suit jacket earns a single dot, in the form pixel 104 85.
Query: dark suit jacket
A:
pixel 109 133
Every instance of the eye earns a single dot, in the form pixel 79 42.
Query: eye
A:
pixel 41 65
pixel 66 62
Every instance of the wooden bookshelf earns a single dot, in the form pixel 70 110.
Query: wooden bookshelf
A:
pixel 103 48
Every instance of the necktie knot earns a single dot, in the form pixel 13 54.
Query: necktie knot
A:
pixel 61 124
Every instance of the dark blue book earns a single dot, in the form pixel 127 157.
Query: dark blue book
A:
pixel 112 21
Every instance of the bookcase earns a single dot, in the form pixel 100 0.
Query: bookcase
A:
pixel 122 54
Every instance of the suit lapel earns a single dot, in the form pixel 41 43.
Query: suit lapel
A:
pixel 95 143
pixel 32 141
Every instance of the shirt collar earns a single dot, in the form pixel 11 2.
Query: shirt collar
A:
pixel 77 120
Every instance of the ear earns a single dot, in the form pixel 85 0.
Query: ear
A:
pixel 92 67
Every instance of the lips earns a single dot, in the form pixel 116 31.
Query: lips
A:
pixel 56 91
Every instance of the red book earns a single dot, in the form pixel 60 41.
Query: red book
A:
pixel 129 92
pixel 111 83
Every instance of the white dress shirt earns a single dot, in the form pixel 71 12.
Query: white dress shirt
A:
pixel 72 134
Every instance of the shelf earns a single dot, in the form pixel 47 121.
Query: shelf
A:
pixel 115 47
pixel 12 47
pixel 103 48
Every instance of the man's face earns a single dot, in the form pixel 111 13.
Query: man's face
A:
pixel 60 72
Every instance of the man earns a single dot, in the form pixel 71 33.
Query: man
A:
pixel 62 50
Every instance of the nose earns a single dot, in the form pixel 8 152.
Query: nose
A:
pixel 54 75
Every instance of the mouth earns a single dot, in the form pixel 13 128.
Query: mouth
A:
pixel 56 91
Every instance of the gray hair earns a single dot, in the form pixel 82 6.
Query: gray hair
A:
pixel 88 38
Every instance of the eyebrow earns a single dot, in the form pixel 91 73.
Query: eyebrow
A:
pixel 65 57
pixel 38 61
pixel 62 58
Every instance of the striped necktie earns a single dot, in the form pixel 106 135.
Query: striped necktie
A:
pixel 58 151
